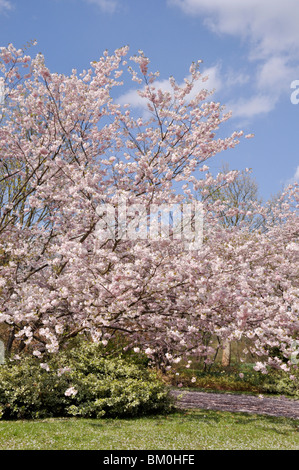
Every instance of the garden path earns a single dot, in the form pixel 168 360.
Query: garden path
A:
pixel 243 403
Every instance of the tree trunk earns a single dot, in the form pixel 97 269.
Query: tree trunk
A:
pixel 226 355
pixel 2 355
pixel 10 341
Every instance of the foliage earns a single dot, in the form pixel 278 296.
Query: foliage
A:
pixel 280 383
pixel 80 382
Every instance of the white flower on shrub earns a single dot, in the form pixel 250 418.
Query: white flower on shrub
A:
pixel 149 351
pixel 63 370
pixel 71 392
pixel 37 353
pixel 177 360
pixel 260 367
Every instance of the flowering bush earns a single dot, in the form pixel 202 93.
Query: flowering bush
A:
pixel 82 383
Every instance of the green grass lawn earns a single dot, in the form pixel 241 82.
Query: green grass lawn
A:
pixel 192 430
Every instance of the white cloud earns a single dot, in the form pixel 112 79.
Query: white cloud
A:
pixel 5 5
pixel 213 83
pixel 270 30
pixel 296 175
pixel 272 26
pixel 107 6
pixel 235 78
pixel 251 107
pixel 294 179
pixel 275 75
pixel 262 102
pixel 132 98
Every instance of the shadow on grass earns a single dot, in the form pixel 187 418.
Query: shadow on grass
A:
pixel 238 418
pixel 212 417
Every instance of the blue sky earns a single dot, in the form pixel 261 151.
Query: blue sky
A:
pixel 249 48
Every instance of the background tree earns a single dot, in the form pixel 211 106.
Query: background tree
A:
pixel 239 199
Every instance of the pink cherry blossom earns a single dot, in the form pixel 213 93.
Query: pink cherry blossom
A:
pixel 69 153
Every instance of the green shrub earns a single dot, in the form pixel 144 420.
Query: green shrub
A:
pixel 238 378
pixel 280 383
pixel 80 382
